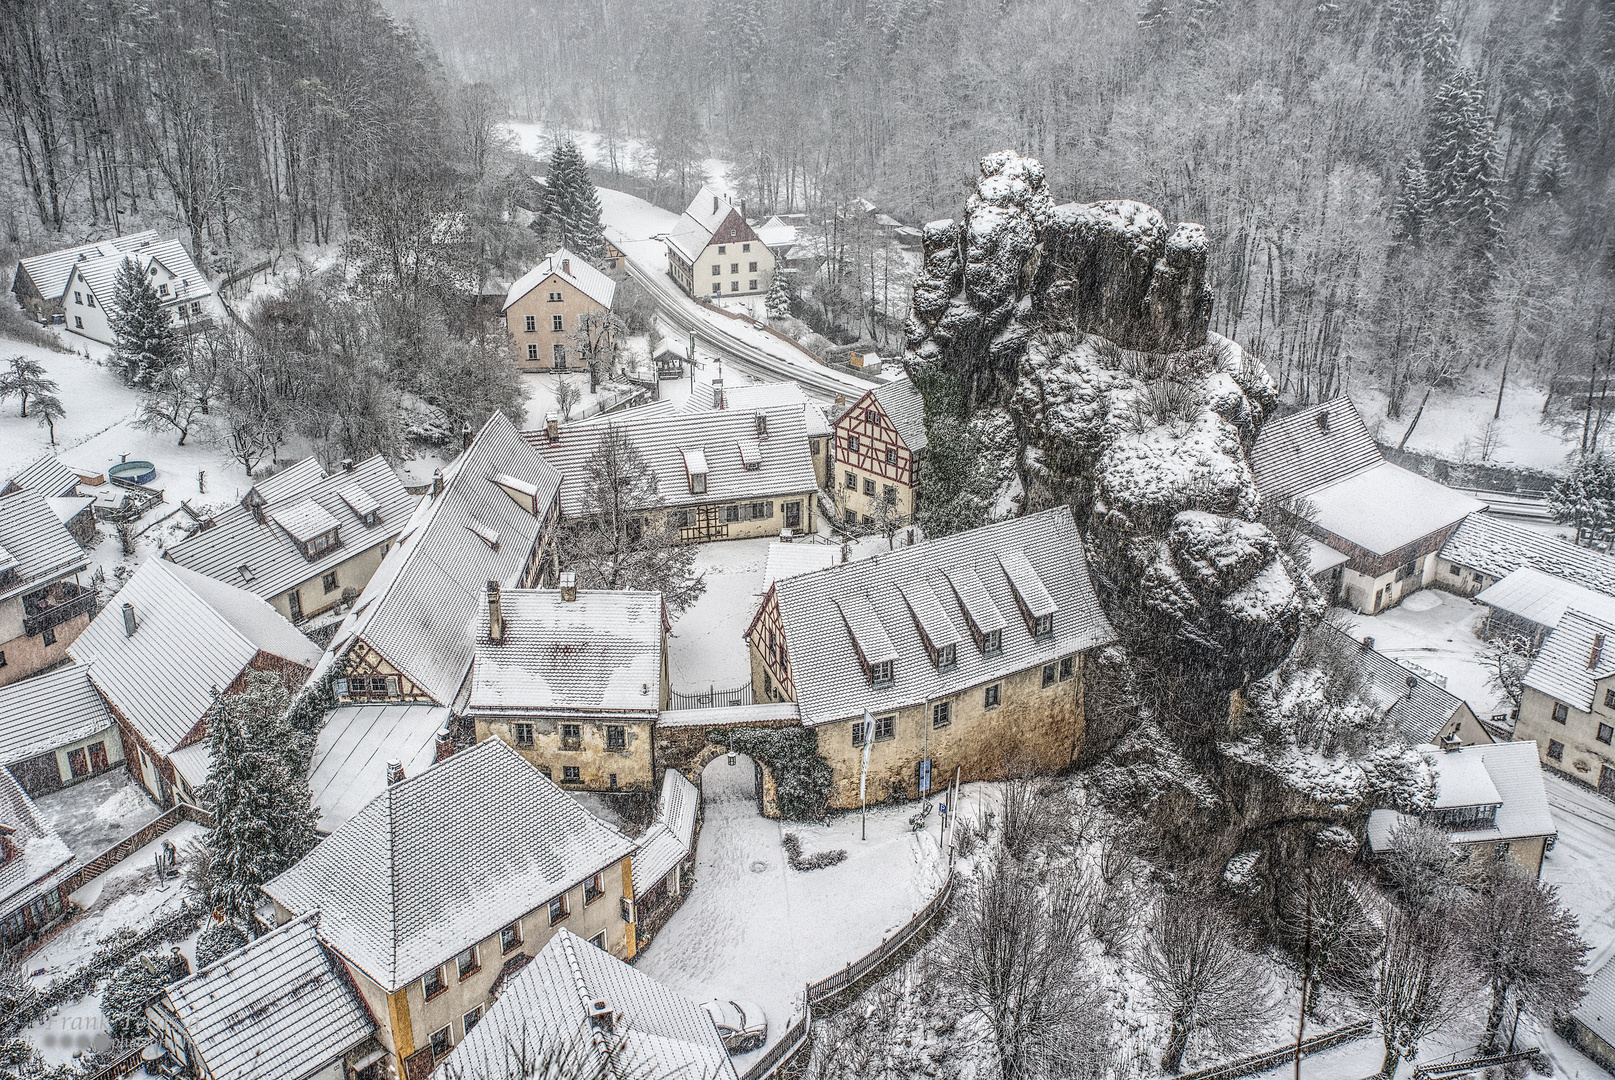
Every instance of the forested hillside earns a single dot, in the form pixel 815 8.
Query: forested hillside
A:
pixel 1407 190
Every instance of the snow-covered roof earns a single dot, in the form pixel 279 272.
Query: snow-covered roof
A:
pixel 1421 710
pixel 1566 668
pixel 100 275
pixel 52 709
pixel 803 557
pixel 1316 446
pixel 667 438
pixel 355 744
pixel 600 653
pixel 48 476
pixel 41 853
pixel 1597 1009
pixel 1543 598
pixel 767 396
pixel 837 620
pixel 1496 547
pixel 671 837
pixel 1505 774
pixel 546 1007
pixel 573 269
pixel 709 219
pixel 278 1008
pixel 777 233
pixel 68 507
pixel 1386 506
pixel 1321 558
pixel 49 272
pixel 418 608
pixel 781 712
pixel 299 499
pixel 193 636
pixel 440 860
pixel 903 406
pixel 34 543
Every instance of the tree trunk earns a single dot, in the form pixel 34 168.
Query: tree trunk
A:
pixel 1172 1059
pixel 1494 1017
pixel 1387 1067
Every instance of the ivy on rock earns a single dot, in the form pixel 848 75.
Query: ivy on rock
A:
pixel 801 775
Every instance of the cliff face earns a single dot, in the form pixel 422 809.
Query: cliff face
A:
pixel 1087 325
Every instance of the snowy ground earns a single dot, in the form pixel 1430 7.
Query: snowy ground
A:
pixel 1452 424
pixel 1435 630
pixel 93 815
pixel 127 896
pixel 1582 862
pixel 633 155
pixel 753 928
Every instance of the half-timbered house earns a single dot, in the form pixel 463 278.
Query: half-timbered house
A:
pixel 957 655
pixel 879 443
pixel 491 516
pixel 42 605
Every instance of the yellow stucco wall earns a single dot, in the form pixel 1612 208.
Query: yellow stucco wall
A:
pixel 1584 757
pixel 352 573
pixel 867 506
pixel 595 763
pixel 734 265
pixel 572 306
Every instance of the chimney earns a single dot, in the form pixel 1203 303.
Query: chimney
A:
pixel 718 398
pixel 1598 652
pixel 437 482
pixel 762 425
pixel 465 436
pixel 496 614
pixel 601 1018
pixel 395 772
pixel 569 586
pixel 347 464
pixel 129 623
pixel 714 204
pixel 1323 421
pixel 1368 643
pixel 444 747
pixel 552 428
pixel 1451 743
pixel 566 267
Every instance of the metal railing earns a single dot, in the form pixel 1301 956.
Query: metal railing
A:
pixel 710 698
pixel 1274 1058
pixel 1474 1064
pixel 76 601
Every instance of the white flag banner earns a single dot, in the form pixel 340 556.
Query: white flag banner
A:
pixel 869 739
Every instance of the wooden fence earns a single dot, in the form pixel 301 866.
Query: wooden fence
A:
pixel 1274 1058
pixel 1474 1064
pixel 122 1065
pixel 796 1036
pixel 93 868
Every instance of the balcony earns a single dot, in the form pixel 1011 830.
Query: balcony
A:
pixel 57 603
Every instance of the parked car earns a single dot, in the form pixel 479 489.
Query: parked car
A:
pixel 740 1024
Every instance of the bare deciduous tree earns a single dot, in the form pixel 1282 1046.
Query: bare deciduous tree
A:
pixel 1419 982
pixel 1422 865
pixel 1012 956
pixel 1522 943
pixel 1200 978
pixel 1324 920
pixel 1508 657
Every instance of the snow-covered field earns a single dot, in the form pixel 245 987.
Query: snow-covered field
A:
pixel 1453 421
pixel 1436 630
pixel 633 155
pixel 753 928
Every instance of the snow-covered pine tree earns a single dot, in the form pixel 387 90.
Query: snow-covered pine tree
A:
pixel 1412 207
pixel 778 300
pixel 145 341
pixel 570 216
pixel 263 821
pixel 1586 498
pixel 1460 162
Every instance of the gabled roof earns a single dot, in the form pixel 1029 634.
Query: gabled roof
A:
pixel 767 396
pixel 278 1008
pixel 41 853
pixel 573 269
pixel 48 476
pixel 100 275
pixel 49 272
pixel 193 635
pixel 1507 775
pixel 671 837
pixel 1543 598
pixel 441 860
pixel 1497 547
pixel 1385 506
pixel 600 653
pixel 1597 1009
pixel 1321 557
pixel 824 612
pixel 667 438
pixel 1561 669
pixel 1419 708
pixel 546 1008
pixel 52 709
pixel 788 560
pixel 291 480
pixel 34 543
pixel 1319 445
pixel 905 408
pixel 419 607
pixel 355 744
pixel 709 219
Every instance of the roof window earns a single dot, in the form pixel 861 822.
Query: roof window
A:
pixel 695 469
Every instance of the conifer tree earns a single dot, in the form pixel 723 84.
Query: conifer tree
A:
pixel 1412 208
pixel 1585 498
pixel 570 214
pixel 778 300
pixel 263 821
pixel 1459 161
pixel 145 341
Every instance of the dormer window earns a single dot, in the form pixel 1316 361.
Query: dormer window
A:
pixel 1043 627
pixel 320 544
pixel 947 657
pixel 695 468
pixel 880 674
pixel 992 642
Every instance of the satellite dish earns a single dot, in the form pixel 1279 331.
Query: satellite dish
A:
pixel 1413 681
